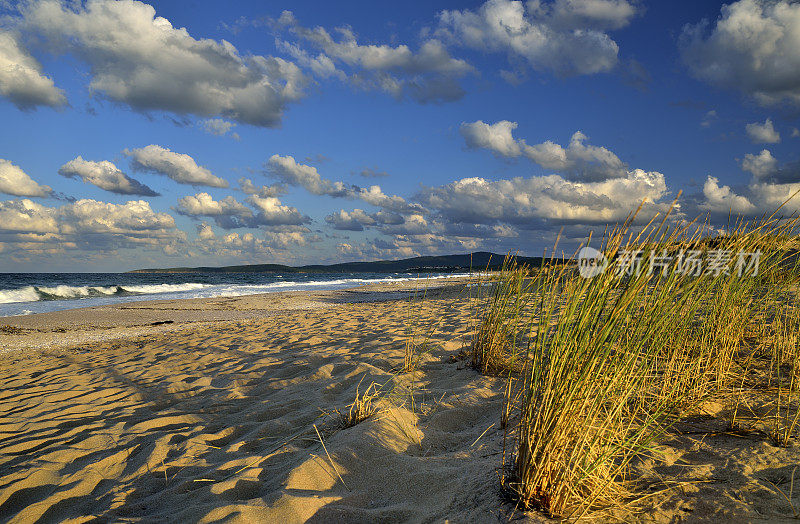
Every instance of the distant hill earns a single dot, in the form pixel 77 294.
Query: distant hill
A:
pixel 443 263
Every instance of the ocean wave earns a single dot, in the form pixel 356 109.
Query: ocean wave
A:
pixel 147 289
pixel 186 289
pixel 64 292
pixel 25 294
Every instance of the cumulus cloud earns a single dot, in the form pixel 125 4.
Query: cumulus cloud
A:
pixel 247 187
pixel 14 181
pixel 105 175
pixel 86 224
pixel 21 78
pixel 760 165
pixel 752 47
pixel 772 185
pixel 578 161
pixel 140 59
pixel 495 137
pixel 763 133
pixel 769 196
pixel 411 225
pixel 130 218
pixel 766 168
pixel 375 196
pixel 427 75
pixel 355 220
pixel 288 170
pixel 529 202
pixel 272 213
pixel 566 37
pixel 279 246
pixel 179 167
pixel 205 231
pixel 384 221
pixel 26 216
pixel 229 213
pixel 721 199
pixel 203 204
pixel 218 127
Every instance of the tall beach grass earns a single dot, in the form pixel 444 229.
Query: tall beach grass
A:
pixel 597 368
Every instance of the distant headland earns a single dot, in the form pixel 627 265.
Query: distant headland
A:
pixel 428 264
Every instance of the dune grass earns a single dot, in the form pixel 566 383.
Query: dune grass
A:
pixel 363 406
pixel 597 368
pixel 494 340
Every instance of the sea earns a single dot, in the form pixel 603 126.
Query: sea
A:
pixel 29 293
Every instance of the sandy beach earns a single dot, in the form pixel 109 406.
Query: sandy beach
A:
pixel 216 410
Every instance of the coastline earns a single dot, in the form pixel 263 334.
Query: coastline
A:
pixel 139 318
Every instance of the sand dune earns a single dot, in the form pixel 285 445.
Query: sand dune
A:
pixel 215 422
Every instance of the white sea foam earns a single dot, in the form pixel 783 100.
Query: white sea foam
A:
pixel 25 294
pixel 65 291
pixel 164 288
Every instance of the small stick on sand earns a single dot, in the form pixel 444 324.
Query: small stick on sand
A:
pixel 481 435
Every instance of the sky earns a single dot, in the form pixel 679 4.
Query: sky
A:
pixel 197 133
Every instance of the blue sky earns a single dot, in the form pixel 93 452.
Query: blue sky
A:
pixel 485 125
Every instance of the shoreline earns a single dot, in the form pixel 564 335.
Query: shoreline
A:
pixel 123 320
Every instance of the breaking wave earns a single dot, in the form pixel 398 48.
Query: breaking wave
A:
pixel 63 292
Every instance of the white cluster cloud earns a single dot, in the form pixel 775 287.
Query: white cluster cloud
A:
pixel 752 47
pixel 771 186
pixel 135 216
pixel 763 133
pixel 769 196
pixel 428 75
pixel 105 175
pixel 495 137
pixel 26 216
pixel 288 170
pixel 759 198
pixel 247 187
pixel 88 224
pixel 536 200
pixel 760 165
pixel 765 168
pixel 721 199
pixel 140 59
pixel 14 181
pixel 566 37
pixel 272 213
pixel 578 161
pixel 205 231
pixel 219 127
pixel 279 246
pixel 21 78
pixel 203 204
pixel 354 220
pixel 229 213
pixel 179 167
